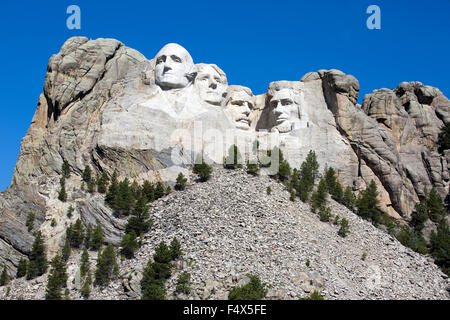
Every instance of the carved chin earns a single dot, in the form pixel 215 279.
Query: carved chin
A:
pixel 283 127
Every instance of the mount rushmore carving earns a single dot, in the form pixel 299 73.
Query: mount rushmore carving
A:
pixel 108 106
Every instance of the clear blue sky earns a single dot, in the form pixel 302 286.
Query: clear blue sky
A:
pixel 254 42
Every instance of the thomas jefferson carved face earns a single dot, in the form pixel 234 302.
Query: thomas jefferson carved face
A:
pixel 174 67
pixel 239 104
pixel 285 110
pixel 211 83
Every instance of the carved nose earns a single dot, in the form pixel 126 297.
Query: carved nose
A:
pixel 213 85
pixel 166 68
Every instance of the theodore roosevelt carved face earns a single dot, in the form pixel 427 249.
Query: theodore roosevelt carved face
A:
pixel 211 83
pixel 174 67
pixel 239 103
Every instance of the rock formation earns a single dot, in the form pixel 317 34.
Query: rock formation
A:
pixel 107 106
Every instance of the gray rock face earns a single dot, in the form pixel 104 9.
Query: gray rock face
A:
pixel 102 106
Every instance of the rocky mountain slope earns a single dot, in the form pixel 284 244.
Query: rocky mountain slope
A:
pixel 102 106
pixel 228 227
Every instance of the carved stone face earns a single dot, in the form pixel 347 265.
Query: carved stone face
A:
pixel 211 84
pixel 173 67
pixel 285 110
pixel 239 105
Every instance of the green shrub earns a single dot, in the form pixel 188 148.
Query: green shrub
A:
pixel 254 290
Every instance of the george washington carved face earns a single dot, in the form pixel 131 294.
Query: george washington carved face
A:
pixel 174 67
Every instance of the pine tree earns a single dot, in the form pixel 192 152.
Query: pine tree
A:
pixel 349 198
pixel 252 168
pixel 87 174
pixel 107 266
pixel 125 199
pixel 344 230
pixel 22 268
pixel 181 182
pixel 368 204
pixel 129 244
pixel 440 246
pixel 420 215
pixel 334 187
pixel 102 183
pixel 37 256
pixel 233 159
pixel 32 271
pixel 254 290
pixel 85 264
pixel 140 222
pixel 75 234
pixel 436 208
pixel 57 279
pixel 62 195
pixel 168 190
pixel 30 221
pixel 159 190
pixel 324 214
pixel 319 197
pixel 148 190
pixel 4 278
pixel 284 171
pixel 113 192
pixel 86 289
pixel 65 169
pixel 183 283
pixel 66 250
pixel 175 249
pixel 203 170
pixel 97 238
pixel 88 236
pixel 70 211
pixel 444 137
pixel 91 186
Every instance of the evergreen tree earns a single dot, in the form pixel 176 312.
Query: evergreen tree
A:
pixel 87 174
pixel 57 279
pixel 62 195
pixel 420 215
pixel 70 211
pixel 129 244
pixel 252 168
pixel 30 221
pixel 319 197
pixel 88 236
pixel 233 159
pixel 168 190
pixel 113 192
pixel 86 289
pixel 159 190
pixel 436 208
pixel 75 234
pixel 334 187
pixel 309 169
pixel 344 230
pixel 444 137
pixel 440 246
pixel 152 289
pixel 254 290
pixel 284 171
pixel 22 268
pixel 148 190
pixel 181 182
pixel 97 239
pixel 324 213
pixel 140 222
pixel 107 266
pixel 65 169
pixel 125 199
pixel 349 198
pixel 91 186
pixel 175 249
pixel 183 283
pixel 66 250
pixel 32 271
pixel 85 264
pixel 203 170
pixel 102 183
pixel 4 278
pixel 368 204
pixel 37 255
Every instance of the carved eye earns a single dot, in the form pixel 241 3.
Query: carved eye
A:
pixel 160 59
pixel 238 102
pixel 286 102
pixel 176 59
